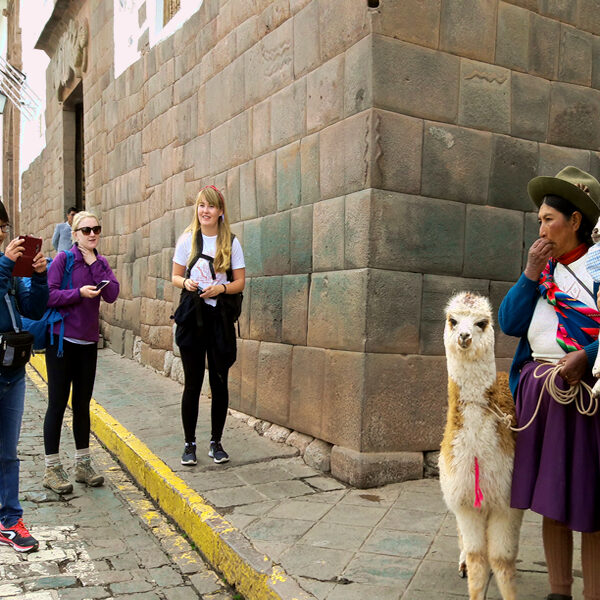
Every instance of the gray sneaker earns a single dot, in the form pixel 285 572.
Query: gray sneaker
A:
pixel 85 473
pixel 56 480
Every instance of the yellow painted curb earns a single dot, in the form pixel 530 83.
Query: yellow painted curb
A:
pixel 253 574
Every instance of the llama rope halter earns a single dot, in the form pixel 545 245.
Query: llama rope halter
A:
pixel 573 394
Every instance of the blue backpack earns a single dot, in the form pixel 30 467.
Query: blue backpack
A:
pixel 52 315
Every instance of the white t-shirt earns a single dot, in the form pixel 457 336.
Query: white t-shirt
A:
pixel 544 323
pixel 201 270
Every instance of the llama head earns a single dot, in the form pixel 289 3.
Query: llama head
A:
pixel 469 330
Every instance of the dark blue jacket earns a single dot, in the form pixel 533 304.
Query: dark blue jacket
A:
pixel 31 302
pixel 514 318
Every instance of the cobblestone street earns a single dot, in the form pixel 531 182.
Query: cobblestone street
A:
pixel 106 542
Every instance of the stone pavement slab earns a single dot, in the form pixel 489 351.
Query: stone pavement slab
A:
pixel 105 542
pixel 389 543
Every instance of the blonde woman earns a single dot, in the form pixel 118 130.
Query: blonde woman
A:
pixel 75 364
pixel 208 264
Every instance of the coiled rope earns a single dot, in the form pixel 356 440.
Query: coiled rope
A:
pixel 573 394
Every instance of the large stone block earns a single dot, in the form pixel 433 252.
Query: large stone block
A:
pixel 397 141
pixel 437 290
pixel 589 16
pixel 343 398
pixel 544 46
pixel 248 208
pixel 596 63
pixel 456 163
pixel 309 169
pixel 294 291
pixel 514 164
pixel 301 226
pixel 512 42
pixel 337 310
pixel 434 243
pixel 248 358
pixel 325 94
pixel 271 64
pixel 275 244
pixel 307 398
pixel 266 309
pixel 395 385
pixel 531 233
pixel 358 77
pixel 416 21
pixel 306 39
pixel 530 97
pixel 357 230
pixel 345 159
pixel 575 59
pixel 261 127
pixel 232 194
pixel 253 247
pixel 574 116
pixel 393 311
pixel 505 346
pixel 561 11
pixel 484 97
pixel 289 180
pixel 341 24
pixel 328 238
pixel 468 28
pixel 266 187
pixel 288 113
pixel 493 243
pixel 374 469
pixel 416 81
pixel 555 158
pixel 273 382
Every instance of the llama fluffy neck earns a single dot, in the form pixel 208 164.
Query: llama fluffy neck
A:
pixel 472 372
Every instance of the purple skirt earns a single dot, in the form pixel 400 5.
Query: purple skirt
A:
pixel 557 458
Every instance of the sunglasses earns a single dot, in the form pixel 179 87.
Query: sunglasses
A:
pixel 87 230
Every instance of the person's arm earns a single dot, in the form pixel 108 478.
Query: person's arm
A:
pixel 56 237
pixel 58 297
pixel 517 307
pixel 178 278
pixel 101 270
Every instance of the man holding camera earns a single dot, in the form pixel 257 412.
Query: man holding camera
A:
pixel 16 299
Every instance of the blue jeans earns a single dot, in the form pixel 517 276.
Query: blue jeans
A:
pixel 12 402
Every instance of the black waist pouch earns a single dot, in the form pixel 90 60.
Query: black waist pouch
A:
pixel 15 348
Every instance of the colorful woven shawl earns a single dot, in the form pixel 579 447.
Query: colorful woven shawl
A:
pixel 578 324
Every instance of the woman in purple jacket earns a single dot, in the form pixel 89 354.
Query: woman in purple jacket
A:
pixel 76 365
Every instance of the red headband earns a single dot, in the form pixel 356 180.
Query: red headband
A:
pixel 216 190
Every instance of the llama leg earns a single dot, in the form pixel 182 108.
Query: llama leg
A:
pixel 462 559
pixel 504 527
pixel 472 526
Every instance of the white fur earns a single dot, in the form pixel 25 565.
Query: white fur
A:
pixel 490 534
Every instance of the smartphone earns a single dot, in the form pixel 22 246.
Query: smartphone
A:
pixel 24 264
pixel 102 284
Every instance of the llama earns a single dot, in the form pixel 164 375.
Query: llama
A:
pixel 477 450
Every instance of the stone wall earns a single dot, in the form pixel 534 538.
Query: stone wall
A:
pixel 373 161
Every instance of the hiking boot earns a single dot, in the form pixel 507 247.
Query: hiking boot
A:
pixel 18 537
pixel 217 453
pixel 189 454
pixel 56 480
pixel 85 473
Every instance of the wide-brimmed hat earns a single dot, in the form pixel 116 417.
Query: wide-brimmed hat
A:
pixel 565 186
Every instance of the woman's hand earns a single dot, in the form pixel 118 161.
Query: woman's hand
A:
pixel 89 256
pixel 39 263
pixel 14 249
pixel 88 291
pixel 190 285
pixel 211 291
pixel 574 366
pixel 539 253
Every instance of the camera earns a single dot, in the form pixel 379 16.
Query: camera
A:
pixel 200 291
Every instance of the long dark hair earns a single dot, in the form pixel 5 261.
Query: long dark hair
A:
pixel 584 233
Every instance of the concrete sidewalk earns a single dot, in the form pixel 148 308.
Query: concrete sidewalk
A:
pixel 275 527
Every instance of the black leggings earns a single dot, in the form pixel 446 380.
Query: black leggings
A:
pixel 77 366
pixel 193 360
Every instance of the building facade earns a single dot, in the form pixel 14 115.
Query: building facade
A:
pixel 374 155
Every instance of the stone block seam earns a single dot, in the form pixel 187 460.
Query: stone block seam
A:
pixel 253 574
